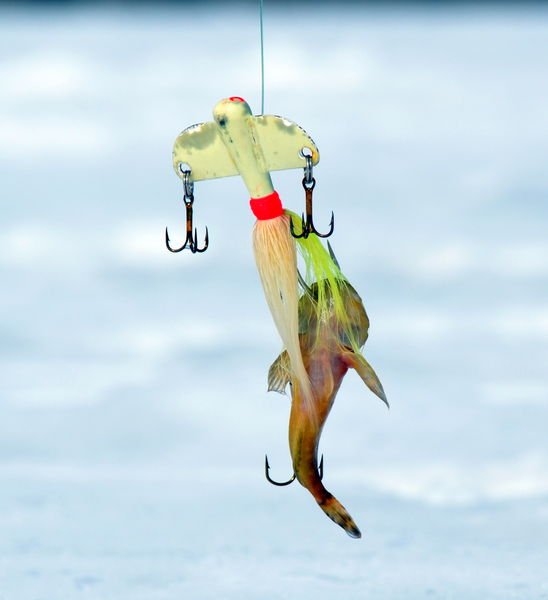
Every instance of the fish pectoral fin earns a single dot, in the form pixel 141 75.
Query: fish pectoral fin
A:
pixel 279 374
pixel 365 371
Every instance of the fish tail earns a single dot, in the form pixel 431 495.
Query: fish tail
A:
pixel 309 477
pixel 338 513
pixel 304 433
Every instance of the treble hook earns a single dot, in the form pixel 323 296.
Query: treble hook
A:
pixel 267 468
pixel 191 241
pixel 307 225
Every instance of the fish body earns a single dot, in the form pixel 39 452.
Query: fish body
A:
pixel 328 353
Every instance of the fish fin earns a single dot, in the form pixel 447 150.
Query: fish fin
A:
pixel 306 288
pixel 365 371
pixel 279 373
pixel 332 254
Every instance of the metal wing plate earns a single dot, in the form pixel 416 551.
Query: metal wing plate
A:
pixel 282 141
pixel 201 147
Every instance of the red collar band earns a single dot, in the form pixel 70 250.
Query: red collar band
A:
pixel 267 207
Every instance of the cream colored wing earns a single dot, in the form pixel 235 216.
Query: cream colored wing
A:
pixel 202 149
pixel 282 141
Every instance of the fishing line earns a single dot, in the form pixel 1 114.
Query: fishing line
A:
pixel 262 54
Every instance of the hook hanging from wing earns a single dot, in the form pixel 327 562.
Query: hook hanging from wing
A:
pixel 307 223
pixel 191 241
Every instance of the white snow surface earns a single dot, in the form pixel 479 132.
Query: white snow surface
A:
pixel 134 415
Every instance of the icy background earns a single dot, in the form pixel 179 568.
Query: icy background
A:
pixel 134 416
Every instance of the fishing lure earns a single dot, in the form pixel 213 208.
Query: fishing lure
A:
pixel 324 329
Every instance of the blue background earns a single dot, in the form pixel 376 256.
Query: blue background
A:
pixel 134 415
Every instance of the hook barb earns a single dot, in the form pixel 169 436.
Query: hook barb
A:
pixel 173 249
pixel 323 235
pixel 194 243
pixel 304 228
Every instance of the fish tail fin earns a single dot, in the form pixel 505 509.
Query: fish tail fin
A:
pixel 338 513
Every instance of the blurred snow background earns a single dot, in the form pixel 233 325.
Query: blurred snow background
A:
pixel 134 416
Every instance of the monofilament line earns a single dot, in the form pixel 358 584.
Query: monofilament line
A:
pixel 262 54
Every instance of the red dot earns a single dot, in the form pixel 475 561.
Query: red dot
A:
pixel 236 99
